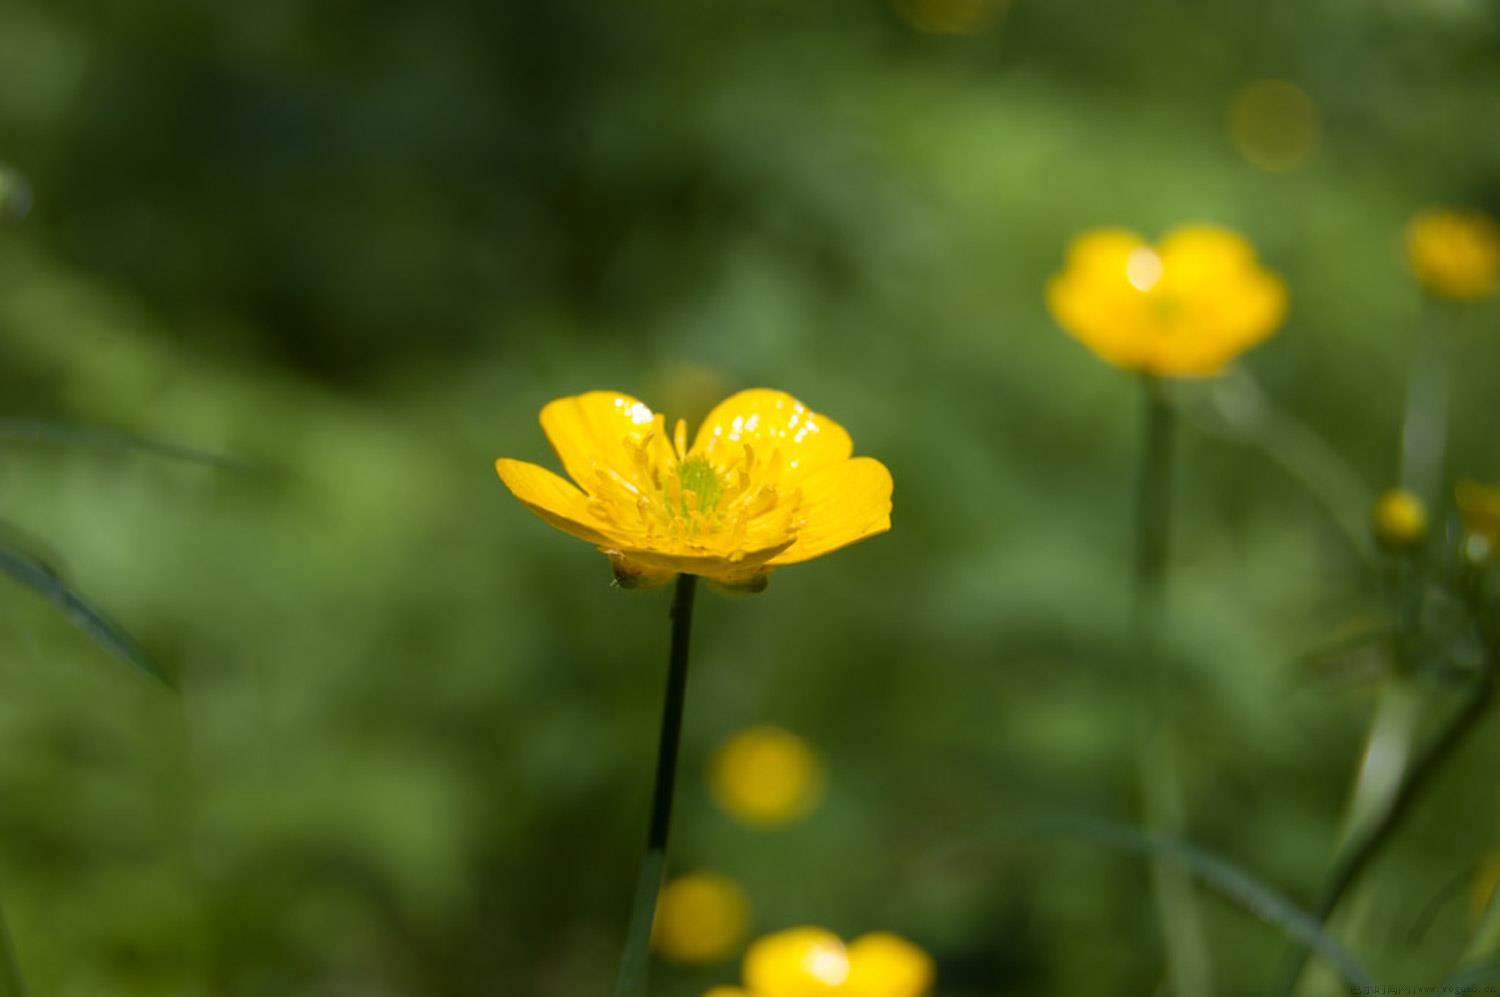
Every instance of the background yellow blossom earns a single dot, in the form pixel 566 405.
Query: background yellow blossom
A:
pixel 1399 518
pixel 1182 308
pixel 766 776
pixel 1454 253
pixel 700 918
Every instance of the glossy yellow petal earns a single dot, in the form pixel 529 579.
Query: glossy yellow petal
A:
pixel 555 500
pixel 798 962
pixel 601 431
pixel 841 504
pixel 769 421
pixel 1195 256
pixel 1102 252
pixel 886 965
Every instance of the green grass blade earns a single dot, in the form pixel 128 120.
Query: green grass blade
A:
pixel 1238 886
pixel 41 579
pixel 12 983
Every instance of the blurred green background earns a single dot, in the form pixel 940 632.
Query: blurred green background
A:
pixel 360 245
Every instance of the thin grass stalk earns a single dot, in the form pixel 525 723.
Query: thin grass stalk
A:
pixel 12 983
pixel 1387 767
pixel 1189 970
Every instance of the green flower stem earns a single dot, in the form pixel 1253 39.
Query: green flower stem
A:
pixel 12 984
pixel 1188 967
pixel 1424 430
pixel 636 959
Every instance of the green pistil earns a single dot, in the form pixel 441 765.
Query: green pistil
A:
pixel 697 476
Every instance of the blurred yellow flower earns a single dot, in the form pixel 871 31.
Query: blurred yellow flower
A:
pixel 812 962
pixel 798 962
pixel 1183 308
pixel 1454 253
pixel 950 17
pixel 766 482
pixel 700 918
pixel 886 965
pixel 1274 125
pixel 1479 507
pixel 1399 518
pixel 766 776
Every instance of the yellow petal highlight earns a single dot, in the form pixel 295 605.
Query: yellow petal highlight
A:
pixel 841 505
pixel 701 918
pixel 767 421
pixel 798 962
pixel 1183 308
pixel 552 498
pixel 885 965
pixel 812 962
pixel 598 432
pixel 766 777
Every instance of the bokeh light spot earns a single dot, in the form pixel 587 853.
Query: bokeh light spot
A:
pixel 15 195
pixel 1275 125
pixel 950 17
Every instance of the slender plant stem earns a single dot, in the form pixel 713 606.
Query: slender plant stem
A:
pixel 1424 430
pixel 1188 967
pixel 1367 842
pixel 1390 770
pixel 12 984
pixel 636 959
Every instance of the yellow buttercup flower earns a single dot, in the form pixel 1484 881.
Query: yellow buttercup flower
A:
pixel 700 918
pixel 1182 308
pixel 766 776
pixel 1399 518
pixel 1479 507
pixel 766 482
pixel 812 962
pixel 1454 253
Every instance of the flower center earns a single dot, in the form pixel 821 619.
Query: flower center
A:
pixel 697 478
